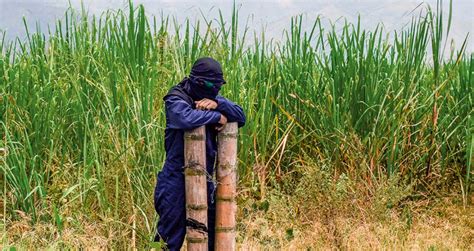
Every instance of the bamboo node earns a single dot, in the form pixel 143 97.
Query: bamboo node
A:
pixel 194 169
pixel 194 172
pixel 225 198
pixel 225 229
pixel 227 135
pixel 194 137
pixel 193 165
pixel 227 167
pixel 196 240
pixel 197 206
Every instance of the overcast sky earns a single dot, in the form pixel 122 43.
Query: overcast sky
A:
pixel 271 15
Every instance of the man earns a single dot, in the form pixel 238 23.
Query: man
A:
pixel 192 103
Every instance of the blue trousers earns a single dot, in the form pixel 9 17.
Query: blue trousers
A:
pixel 169 198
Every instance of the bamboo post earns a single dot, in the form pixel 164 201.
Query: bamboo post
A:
pixel 226 206
pixel 196 189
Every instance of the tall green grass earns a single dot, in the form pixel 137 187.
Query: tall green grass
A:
pixel 83 119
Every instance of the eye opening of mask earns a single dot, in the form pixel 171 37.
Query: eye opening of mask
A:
pixel 210 85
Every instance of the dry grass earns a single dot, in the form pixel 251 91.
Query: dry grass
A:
pixel 439 225
pixel 318 211
pixel 443 224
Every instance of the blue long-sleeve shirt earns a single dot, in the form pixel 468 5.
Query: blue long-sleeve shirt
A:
pixel 181 116
pixel 233 112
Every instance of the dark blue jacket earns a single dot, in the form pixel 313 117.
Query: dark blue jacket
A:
pixel 180 116
pixel 169 192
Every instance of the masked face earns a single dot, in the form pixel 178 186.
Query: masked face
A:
pixel 199 89
pixel 206 79
pixel 213 87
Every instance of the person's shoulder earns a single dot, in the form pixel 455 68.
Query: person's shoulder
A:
pixel 173 99
pixel 177 94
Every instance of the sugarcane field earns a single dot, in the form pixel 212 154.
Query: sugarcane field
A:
pixel 236 125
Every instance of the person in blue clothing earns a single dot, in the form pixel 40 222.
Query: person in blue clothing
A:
pixel 192 103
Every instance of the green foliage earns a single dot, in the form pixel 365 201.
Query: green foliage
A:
pixel 83 119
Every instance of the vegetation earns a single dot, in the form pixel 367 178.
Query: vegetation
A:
pixel 334 116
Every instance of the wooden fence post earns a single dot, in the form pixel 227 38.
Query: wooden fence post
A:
pixel 196 189
pixel 226 206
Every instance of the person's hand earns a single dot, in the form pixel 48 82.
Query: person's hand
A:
pixel 222 123
pixel 206 104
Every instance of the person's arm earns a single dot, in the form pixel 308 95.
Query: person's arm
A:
pixel 180 115
pixel 232 111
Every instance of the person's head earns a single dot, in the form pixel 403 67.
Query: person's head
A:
pixel 206 79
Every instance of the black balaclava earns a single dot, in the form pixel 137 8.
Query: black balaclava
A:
pixel 205 80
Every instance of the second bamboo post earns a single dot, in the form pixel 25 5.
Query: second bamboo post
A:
pixel 226 206
pixel 196 189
